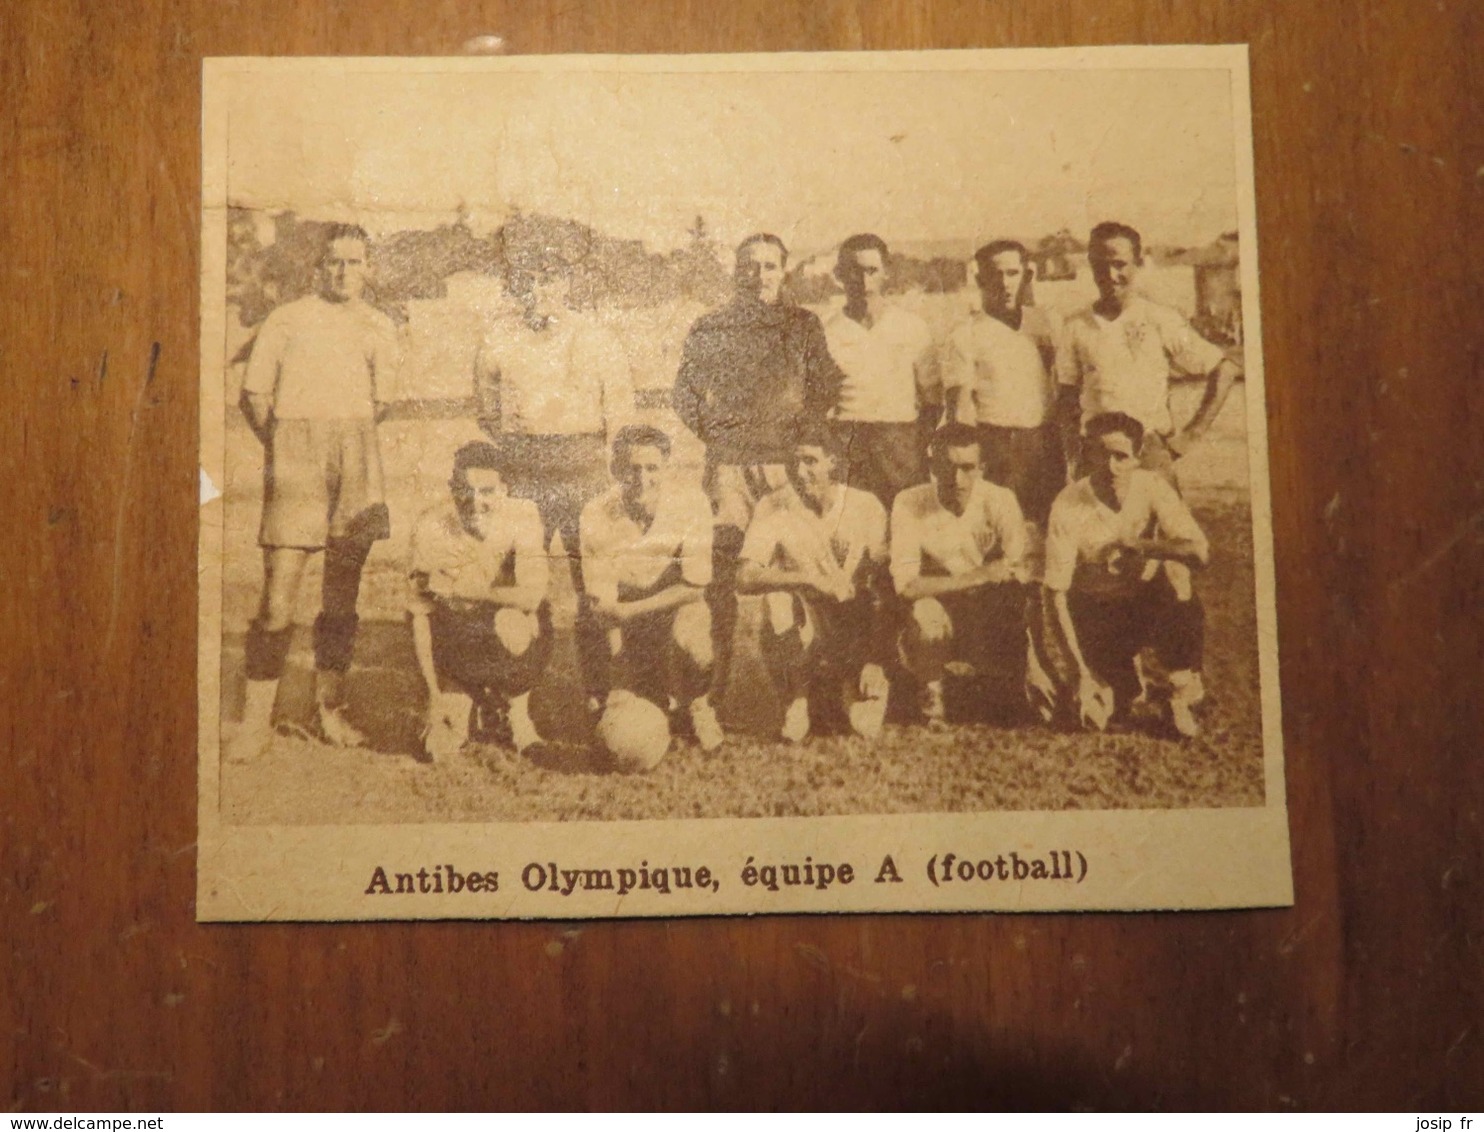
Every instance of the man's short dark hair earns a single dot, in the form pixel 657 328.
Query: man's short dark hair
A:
pixel 860 242
pixel 984 257
pixel 1113 230
pixel 476 454
pixel 955 434
pixel 763 238
pixel 984 263
pixel 1106 423
pixel 638 436
pixel 335 232
pixel 815 433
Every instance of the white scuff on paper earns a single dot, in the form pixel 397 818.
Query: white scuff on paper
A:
pixel 209 490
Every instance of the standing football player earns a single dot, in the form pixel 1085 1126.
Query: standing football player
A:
pixel 997 370
pixel 890 397
pixel 750 372
pixel 321 373
pixel 1117 356
pixel 552 388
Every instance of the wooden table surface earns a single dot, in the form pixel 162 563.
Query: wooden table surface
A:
pixel 1370 172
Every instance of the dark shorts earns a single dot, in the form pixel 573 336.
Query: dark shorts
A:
pixel 468 657
pixel 322 480
pixel 846 639
pixel 846 636
pixel 643 663
pixel 1112 629
pixel 559 474
pixel 647 662
pixel 884 457
pixel 1029 462
pixel 989 628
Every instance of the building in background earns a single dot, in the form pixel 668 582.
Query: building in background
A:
pixel 1218 287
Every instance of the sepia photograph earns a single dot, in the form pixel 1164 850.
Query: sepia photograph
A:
pixel 732 484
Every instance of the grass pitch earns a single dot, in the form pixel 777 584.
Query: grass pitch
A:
pixel 969 768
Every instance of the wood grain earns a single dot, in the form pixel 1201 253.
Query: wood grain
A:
pixel 1370 162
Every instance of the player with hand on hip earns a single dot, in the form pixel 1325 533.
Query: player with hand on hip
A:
pixel 1117 356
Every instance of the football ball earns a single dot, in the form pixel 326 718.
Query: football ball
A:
pixel 635 732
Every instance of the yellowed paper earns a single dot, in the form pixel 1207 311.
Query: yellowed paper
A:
pixel 734 484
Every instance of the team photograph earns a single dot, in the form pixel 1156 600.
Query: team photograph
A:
pixel 908 474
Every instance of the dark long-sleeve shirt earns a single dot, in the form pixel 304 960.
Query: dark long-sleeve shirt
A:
pixel 748 374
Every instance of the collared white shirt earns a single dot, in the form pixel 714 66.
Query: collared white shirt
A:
pixel 458 564
pixel 928 538
pixel 318 360
pixel 889 366
pixel 1007 370
pixel 1083 529
pixel 1124 364
pixel 617 551
pixel 786 532
pixel 570 379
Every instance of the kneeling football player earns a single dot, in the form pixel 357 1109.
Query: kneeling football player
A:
pixel 480 626
pixel 646 563
pixel 957 560
pixel 1111 543
pixel 816 551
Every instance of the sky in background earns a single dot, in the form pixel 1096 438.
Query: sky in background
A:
pixel 913 155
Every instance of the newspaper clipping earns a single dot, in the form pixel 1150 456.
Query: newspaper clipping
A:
pixel 694 485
